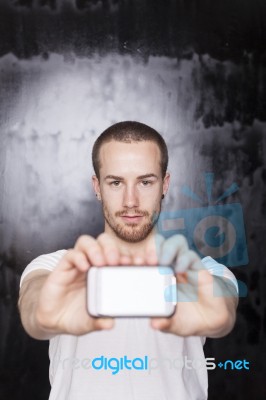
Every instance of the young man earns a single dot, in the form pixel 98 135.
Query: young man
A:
pixel 91 358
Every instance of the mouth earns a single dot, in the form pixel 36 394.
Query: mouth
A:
pixel 132 219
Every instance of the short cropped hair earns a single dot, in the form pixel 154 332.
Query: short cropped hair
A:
pixel 127 132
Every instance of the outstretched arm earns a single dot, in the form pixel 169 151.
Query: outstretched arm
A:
pixel 206 304
pixel 54 302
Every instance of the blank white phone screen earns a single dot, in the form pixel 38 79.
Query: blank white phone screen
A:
pixel 129 291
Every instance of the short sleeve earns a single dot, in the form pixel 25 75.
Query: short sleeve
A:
pixel 219 270
pixel 45 261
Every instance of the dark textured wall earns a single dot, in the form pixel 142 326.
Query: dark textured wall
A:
pixel 196 71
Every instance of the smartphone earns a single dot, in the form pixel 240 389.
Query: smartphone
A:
pixel 130 291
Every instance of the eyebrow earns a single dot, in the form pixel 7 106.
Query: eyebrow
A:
pixel 119 178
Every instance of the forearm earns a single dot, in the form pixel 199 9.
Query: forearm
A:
pixel 28 305
pixel 225 301
pixel 223 323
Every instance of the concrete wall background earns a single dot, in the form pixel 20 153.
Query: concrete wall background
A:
pixel 70 69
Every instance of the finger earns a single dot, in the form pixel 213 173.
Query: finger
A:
pixel 187 292
pixel 78 259
pixel 109 249
pixel 126 260
pixel 103 323
pixel 153 249
pixel 172 248
pixel 162 324
pixel 74 263
pixel 189 260
pixel 92 249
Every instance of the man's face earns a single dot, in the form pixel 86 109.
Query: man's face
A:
pixel 131 188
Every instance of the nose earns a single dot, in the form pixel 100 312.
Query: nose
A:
pixel 130 198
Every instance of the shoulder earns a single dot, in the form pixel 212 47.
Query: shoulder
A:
pixel 42 264
pixel 219 270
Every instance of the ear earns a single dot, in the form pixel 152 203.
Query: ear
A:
pixel 96 186
pixel 166 183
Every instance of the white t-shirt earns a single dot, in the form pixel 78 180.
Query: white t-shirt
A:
pixel 132 361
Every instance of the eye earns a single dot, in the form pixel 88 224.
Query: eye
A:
pixel 146 183
pixel 115 183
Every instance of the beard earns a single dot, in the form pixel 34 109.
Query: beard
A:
pixel 131 233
